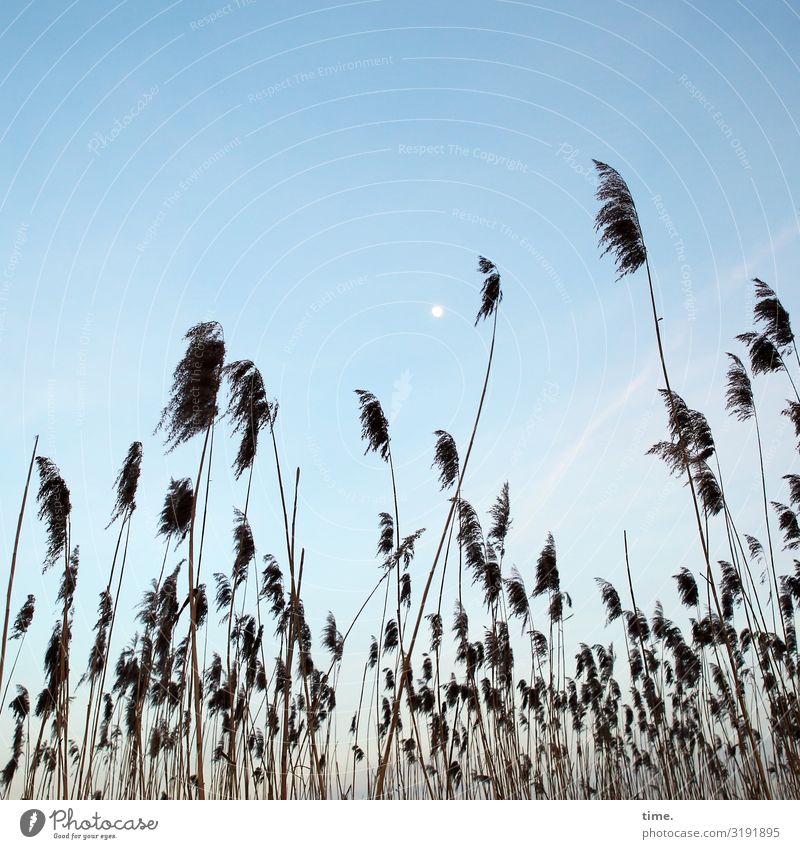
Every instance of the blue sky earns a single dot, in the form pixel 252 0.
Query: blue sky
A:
pixel 316 178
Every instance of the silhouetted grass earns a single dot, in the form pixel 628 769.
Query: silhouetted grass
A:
pixel 708 709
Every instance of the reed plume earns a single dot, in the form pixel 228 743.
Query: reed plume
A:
pixel 374 425
pixel 192 404
pixel 617 222
pixel 20 708
pixel 764 355
pixel 491 291
pixel 500 514
pixel 445 459
pixel 127 483
pixel 54 509
pixel 770 312
pixel 739 394
pixel 249 410
pixel 176 514
pixel 24 618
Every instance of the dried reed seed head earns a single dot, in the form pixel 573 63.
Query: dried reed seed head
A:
pixel 794 489
pixel 708 490
pixel 391 637
pixel 374 426
pixel 20 705
pixel 617 222
pixel 201 605
pixel 701 436
pixel 687 588
pixel 470 538
pixel 23 619
pixel 461 630
pixel 127 483
pixel 764 356
pixel 244 547
pixel 547 578
pixel 176 514
pixel 692 443
pixel 386 538
pixel 10 769
pixel 97 654
pixel 491 291
pixel 792 412
pixel 192 405
pixel 332 639
pixel 272 586
pixel 406 550
pixel 500 514
pixel 556 607
pixel 787 522
pixel 436 627
pixel 54 673
pixel 739 394
pixel 445 459
pixel 223 595
pixel 492 581
pixel 69 578
pixel 517 597
pixel 611 600
pixel 731 586
pixel 249 409
pixel 54 509
pixel 770 312
pixel 638 627
pixel 754 546
pixel 405 590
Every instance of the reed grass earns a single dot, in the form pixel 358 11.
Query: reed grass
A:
pixel 474 704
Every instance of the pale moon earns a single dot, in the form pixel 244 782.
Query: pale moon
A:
pixel 437 311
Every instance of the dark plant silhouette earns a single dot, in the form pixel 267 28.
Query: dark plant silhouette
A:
pixel 491 292
pixel 127 483
pixel 249 410
pixel 618 222
pixel 445 459
pixel 54 509
pixel 770 312
pixel 484 709
pixel 192 405
pixel 691 446
pixel 374 426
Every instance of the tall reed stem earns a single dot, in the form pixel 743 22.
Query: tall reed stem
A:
pixel 14 565
pixel 196 682
pixel 384 759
